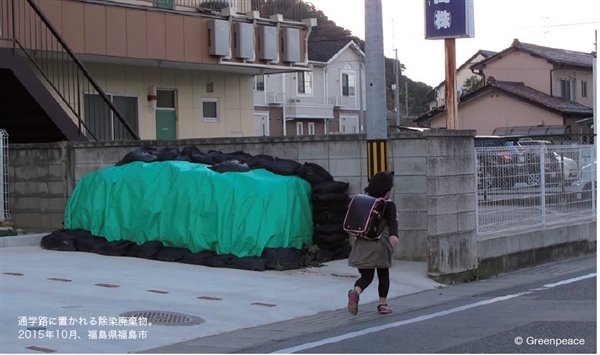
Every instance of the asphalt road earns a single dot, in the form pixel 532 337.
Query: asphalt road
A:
pixel 545 309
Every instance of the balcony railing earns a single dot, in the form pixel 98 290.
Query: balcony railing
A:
pixel 290 9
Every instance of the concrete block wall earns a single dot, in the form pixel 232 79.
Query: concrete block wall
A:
pixel 38 186
pixel 512 251
pixel 429 185
pixel 451 201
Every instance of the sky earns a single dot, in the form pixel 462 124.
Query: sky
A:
pixel 566 24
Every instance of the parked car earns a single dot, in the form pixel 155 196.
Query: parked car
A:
pixel 558 168
pixel 582 187
pixel 502 164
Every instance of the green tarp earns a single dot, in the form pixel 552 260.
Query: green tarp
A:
pixel 190 206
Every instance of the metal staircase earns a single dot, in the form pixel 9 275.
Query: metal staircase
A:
pixel 29 35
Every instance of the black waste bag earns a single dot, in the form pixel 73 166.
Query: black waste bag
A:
pixel 171 254
pixel 323 255
pixel 330 208
pixel 59 240
pixel 114 248
pixel 328 218
pixel 200 258
pixel 284 167
pixel 314 173
pixel 165 154
pixel 282 258
pixel 330 229
pixel 183 158
pixel 260 161
pixel 330 187
pixel 253 263
pixel 240 155
pixel 202 159
pixel 221 260
pixel 218 156
pixel 332 246
pixel 342 252
pixel 146 250
pixel 143 154
pixel 329 238
pixel 330 198
pixel 191 150
pixel 230 166
pixel 90 243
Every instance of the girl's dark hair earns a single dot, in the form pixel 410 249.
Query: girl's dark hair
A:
pixel 380 184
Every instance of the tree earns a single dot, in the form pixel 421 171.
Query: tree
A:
pixel 471 84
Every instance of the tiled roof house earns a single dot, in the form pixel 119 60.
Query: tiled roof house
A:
pixel 526 85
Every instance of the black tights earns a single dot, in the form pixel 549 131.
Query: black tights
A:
pixel 367 275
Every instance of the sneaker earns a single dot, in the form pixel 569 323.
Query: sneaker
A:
pixel 353 302
pixel 384 309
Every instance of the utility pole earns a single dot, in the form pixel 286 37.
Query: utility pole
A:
pixel 406 97
pixel 375 87
pixel 396 74
pixel 397 88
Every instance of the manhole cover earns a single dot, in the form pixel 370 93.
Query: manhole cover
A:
pixel 164 318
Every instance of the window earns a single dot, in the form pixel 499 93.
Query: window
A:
pixel 259 83
pixel 96 111
pixel 210 110
pixel 348 84
pixel 311 128
pixel 583 88
pixel 299 128
pixel 566 89
pixel 305 82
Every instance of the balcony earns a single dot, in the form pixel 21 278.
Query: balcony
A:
pixel 144 32
pixel 275 98
pixel 337 101
pixel 216 7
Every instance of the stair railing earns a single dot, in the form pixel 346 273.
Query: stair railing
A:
pixel 35 38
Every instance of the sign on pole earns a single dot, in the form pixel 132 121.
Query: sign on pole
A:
pixel 449 19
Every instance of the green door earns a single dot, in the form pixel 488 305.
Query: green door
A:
pixel 163 4
pixel 165 124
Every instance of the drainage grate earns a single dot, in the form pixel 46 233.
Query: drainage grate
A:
pixel 165 318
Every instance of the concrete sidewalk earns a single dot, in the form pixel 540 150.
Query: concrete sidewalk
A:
pixel 73 289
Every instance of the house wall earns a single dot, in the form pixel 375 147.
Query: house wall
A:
pixel 489 112
pixel 346 61
pixel 461 76
pixel 577 76
pixel 234 92
pixel 520 66
pixel 111 29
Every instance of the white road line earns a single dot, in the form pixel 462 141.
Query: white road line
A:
pixel 426 317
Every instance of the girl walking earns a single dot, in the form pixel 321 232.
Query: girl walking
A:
pixel 376 256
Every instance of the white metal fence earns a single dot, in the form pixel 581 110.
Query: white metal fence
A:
pixel 4 215
pixel 533 183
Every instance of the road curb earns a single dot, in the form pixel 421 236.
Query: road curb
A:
pixel 25 240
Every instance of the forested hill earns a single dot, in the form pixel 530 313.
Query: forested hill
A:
pixel 327 29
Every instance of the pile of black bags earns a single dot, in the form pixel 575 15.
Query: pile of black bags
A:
pixel 329 200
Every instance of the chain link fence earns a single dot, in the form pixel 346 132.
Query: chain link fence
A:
pixel 534 182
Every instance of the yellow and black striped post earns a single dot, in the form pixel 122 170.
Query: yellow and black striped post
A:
pixel 377 157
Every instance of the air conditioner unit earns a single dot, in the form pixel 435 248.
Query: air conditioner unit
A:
pixel 336 101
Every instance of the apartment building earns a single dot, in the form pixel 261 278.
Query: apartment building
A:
pixel 325 99
pixel 139 69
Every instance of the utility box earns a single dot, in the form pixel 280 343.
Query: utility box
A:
pixel 219 43
pixel 244 40
pixel 268 43
pixel 291 45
